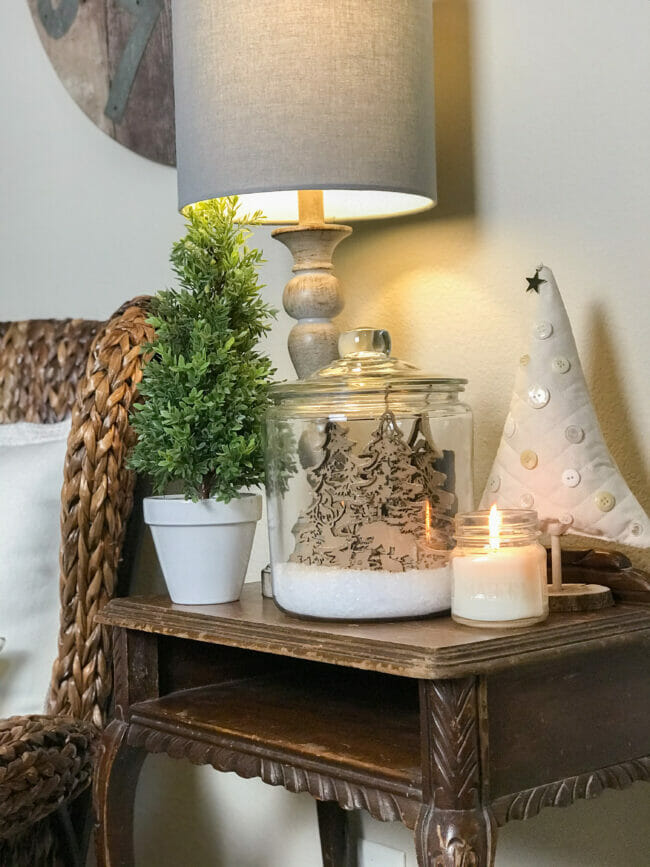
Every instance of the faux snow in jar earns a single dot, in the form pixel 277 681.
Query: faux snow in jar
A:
pixel 368 461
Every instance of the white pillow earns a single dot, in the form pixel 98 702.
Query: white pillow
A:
pixel 31 475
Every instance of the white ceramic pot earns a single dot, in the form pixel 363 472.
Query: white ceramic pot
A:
pixel 203 547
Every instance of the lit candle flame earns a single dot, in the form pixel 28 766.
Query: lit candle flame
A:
pixel 494 524
pixel 427 521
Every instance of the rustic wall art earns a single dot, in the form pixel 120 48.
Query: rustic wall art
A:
pixel 114 58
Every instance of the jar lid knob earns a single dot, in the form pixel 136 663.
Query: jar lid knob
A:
pixel 375 341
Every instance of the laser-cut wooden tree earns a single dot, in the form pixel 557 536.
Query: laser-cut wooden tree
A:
pixel 384 509
pixel 323 532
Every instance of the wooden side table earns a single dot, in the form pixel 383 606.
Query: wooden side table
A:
pixel 452 731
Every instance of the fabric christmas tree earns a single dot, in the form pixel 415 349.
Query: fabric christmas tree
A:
pixel 552 456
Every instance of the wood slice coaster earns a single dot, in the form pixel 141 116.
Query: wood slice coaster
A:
pixel 580 597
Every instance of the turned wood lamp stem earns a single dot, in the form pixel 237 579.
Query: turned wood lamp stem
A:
pixel 310 208
pixel 312 296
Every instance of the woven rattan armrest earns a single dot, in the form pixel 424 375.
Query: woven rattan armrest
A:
pixel 49 368
pixel 44 762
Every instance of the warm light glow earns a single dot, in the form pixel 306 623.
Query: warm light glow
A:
pixel 282 206
pixel 494 524
pixel 427 521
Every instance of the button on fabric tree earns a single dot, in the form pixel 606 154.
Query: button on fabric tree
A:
pixel 553 457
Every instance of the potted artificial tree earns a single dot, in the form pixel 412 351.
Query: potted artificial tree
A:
pixel 205 390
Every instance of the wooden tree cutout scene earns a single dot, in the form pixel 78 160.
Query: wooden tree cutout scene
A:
pixel 382 508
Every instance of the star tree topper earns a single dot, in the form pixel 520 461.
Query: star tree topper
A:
pixel 535 281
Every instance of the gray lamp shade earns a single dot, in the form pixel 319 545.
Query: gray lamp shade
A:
pixel 276 96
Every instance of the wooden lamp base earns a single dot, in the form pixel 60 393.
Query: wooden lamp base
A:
pixel 312 296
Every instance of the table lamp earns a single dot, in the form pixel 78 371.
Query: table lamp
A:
pixel 313 113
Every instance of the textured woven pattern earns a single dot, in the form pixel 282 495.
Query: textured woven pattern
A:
pixel 49 369
pixel 44 761
pixel 96 502
pixel 41 361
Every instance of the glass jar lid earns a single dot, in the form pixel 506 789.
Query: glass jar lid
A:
pixel 365 367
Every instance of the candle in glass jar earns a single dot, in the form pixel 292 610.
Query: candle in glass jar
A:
pixel 499 570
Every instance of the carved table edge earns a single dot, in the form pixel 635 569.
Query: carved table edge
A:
pixel 563 793
pixel 391 658
pixel 380 804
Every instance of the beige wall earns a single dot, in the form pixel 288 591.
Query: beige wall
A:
pixel 543 129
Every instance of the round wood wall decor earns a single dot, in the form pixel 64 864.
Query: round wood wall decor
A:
pixel 115 59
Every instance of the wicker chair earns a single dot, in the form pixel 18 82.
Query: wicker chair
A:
pixel 49 368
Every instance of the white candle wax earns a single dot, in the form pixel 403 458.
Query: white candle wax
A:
pixel 500 584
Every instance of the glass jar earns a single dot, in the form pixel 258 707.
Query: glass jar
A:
pixel 368 461
pixel 498 569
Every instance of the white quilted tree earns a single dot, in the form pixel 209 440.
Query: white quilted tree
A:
pixel 553 457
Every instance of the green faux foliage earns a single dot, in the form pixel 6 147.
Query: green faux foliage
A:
pixel 205 387
pixel 280 448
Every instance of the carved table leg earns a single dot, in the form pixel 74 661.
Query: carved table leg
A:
pixel 455 827
pixel 334 830
pixel 116 777
pixel 455 838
